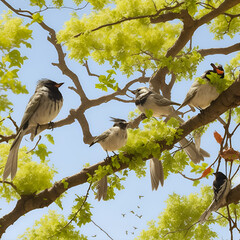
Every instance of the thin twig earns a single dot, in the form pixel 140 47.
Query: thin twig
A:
pixel 84 201
pixel 101 229
pixel 35 144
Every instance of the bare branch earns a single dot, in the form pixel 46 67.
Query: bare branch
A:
pixel 88 70
pixel 101 229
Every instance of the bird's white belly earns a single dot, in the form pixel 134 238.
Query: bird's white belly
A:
pixel 46 111
pixel 114 141
pixel 158 111
pixel 206 93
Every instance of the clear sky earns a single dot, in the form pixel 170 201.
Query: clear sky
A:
pixel 70 154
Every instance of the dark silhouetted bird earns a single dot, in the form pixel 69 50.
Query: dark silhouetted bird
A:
pixel 221 188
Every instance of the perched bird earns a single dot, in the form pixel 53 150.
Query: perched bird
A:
pixel 201 95
pixel 114 138
pixel 146 99
pixel 111 140
pixel 42 108
pixel 221 188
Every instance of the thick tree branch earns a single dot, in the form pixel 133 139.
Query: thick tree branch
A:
pixel 228 99
pixel 189 27
pixel 223 50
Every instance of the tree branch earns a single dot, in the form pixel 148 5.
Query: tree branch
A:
pixel 228 99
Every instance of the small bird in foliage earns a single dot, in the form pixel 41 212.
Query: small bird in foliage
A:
pixel 145 100
pixel 221 188
pixel 111 140
pixel 200 95
pixel 114 138
pixel 42 108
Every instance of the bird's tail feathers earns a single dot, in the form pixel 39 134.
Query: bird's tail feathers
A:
pixel 102 189
pixel 156 173
pixel 11 165
pixel 213 207
pixel 191 150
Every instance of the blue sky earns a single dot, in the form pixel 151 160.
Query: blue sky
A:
pixel 70 154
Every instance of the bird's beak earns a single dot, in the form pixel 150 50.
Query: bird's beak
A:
pixel 58 85
pixel 132 91
pixel 218 71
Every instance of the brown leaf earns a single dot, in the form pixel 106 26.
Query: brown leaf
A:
pixel 218 137
pixel 206 172
pixel 230 154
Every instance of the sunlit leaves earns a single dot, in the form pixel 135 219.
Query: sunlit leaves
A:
pixel 52 225
pixel 131 43
pixel 107 81
pixel 42 151
pixel 37 17
pixel 83 210
pixel 176 221
pixel 13 34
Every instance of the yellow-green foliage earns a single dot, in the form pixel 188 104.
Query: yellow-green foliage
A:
pixel 31 177
pixel 52 225
pixel 179 215
pixel 229 25
pixel 13 34
pixel 83 210
pixel 128 42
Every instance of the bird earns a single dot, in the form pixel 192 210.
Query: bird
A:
pixel 145 100
pixel 114 138
pixel 42 108
pixel 221 188
pixel 200 95
pixel 111 140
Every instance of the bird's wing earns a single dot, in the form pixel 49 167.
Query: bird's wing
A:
pixel 101 137
pixel 31 108
pixel 218 193
pixel 191 93
pixel 162 101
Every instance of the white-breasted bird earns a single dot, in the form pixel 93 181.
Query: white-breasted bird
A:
pixel 201 95
pixel 42 108
pixel 111 140
pixel 145 99
pixel 221 188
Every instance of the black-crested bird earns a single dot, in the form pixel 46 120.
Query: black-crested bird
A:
pixel 145 100
pixel 111 140
pixel 201 95
pixel 42 108
pixel 221 188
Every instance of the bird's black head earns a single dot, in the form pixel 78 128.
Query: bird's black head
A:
pixel 121 123
pixel 53 88
pixel 140 91
pixel 49 84
pixel 219 175
pixel 219 70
